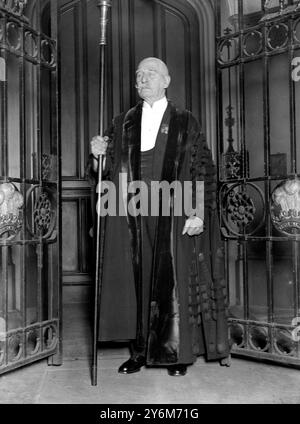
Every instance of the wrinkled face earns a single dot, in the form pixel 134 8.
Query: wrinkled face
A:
pixel 152 79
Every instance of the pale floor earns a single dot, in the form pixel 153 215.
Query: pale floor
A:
pixel 243 383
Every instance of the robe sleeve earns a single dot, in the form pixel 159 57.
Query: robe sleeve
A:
pixel 210 251
pixel 200 158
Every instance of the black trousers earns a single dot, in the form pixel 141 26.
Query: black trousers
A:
pixel 148 224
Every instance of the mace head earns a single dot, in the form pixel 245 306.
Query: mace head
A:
pixel 104 3
pixel 104 6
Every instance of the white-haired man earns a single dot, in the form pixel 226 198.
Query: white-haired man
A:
pixel 157 292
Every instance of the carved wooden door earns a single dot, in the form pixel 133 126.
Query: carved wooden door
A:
pixel 29 184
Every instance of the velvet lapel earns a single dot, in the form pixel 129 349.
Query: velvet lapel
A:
pixel 131 142
pixel 173 143
pixel 174 151
pixel 173 157
pixel 160 145
pixel 164 321
pixel 168 147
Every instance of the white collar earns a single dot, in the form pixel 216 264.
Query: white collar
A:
pixel 159 105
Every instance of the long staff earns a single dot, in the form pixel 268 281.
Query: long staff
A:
pixel 104 6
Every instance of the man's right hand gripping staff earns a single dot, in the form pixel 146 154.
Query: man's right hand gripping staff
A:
pixel 98 146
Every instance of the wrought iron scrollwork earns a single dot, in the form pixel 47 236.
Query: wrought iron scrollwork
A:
pixel 48 55
pixel 33 341
pixel 259 338
pixel 49 167
pixel 284 343
pixel 30 44
pixel 231 165
pixel 231 160
pixel 15 347
pixel 16 7
pixel 41 212
pixel 277 36
pixel 259 187
pixel 228 49
pixel 49 337
pixel 13 35
pixel 243 208
pixel 237 335
pixel 26 343
pixel 252 43
pixel 29 188
pixel 283 8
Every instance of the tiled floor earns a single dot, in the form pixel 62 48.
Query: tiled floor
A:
pixel 244 382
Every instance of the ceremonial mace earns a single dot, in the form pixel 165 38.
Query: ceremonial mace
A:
pixel 104 6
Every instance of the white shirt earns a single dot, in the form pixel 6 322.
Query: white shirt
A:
pixel 151 120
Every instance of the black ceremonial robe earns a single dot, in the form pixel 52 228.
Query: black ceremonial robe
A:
pixel 188 294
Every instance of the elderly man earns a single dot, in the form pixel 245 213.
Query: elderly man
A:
pixel 163 284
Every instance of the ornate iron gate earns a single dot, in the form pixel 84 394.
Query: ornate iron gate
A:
pixel 29 184
pixel 258 58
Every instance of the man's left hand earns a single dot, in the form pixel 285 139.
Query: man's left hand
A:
pixel 193 226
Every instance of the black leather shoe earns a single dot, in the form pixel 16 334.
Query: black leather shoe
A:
pixel 133 364
pixel 177 370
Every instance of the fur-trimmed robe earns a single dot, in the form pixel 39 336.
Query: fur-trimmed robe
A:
pixel 187 306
